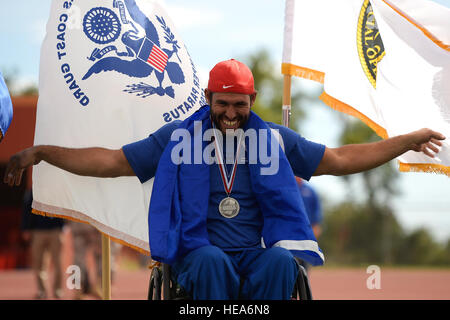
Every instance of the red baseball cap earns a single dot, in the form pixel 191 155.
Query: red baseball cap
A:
pixel 231 76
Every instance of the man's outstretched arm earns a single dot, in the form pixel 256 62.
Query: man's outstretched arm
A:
pixel 95 162
pixel 356 158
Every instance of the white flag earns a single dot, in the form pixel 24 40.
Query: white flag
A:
pixel 112 72
pixel 384 62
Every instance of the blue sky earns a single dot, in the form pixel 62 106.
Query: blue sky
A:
pixel 218 30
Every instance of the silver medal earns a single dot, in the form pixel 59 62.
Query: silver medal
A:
pixel 229 207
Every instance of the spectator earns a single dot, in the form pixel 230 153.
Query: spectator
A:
pixel 85 238
pixel 313 210
pixel 45 234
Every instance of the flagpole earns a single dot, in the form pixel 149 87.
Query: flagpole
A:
pixel 286 112
pixel 106 267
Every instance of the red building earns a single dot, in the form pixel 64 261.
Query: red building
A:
pixel 20 135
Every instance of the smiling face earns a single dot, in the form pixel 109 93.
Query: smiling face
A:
pixel 229 110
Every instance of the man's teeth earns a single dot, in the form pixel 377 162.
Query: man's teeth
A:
pixel 230 123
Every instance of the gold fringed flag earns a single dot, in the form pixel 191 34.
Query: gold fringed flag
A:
pixel 384 62
pixel 111 73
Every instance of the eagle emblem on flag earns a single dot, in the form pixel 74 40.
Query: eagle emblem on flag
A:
pixel 143 54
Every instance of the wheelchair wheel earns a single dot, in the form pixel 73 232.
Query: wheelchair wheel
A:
pixel 154 290
pixel 302 289
pixel 167 285
pixel 303 285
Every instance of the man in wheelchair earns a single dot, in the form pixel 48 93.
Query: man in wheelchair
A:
pixel 225 204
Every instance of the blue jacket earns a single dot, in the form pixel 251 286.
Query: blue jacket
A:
pixel 180 197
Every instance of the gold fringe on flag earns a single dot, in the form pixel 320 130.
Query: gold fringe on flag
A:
pixel 424 167
pixel 426 32
pixel 302 72
pixel 293 70
pixel 380 131
pixel 345 108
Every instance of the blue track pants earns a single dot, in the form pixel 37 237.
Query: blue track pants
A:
pixel 210 273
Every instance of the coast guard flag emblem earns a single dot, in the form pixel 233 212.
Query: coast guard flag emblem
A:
pixel 111 73
pixel 386 62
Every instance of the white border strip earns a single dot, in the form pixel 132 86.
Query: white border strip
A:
pixel 301 245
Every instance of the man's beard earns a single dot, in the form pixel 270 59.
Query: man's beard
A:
pixel 218 117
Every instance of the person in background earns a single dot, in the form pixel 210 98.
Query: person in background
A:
pixel 313 209
pixel 85 238
pixel 45 234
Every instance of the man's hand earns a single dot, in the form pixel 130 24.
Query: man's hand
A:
pixel 18 163
pixel 93 162
pixel 424 140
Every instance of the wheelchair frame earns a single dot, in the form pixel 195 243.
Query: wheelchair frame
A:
pixel 161 286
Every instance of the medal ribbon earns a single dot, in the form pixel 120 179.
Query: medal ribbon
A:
pixel 227 183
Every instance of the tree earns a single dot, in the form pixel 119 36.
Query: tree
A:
pixel 8 76
pixel 379 186
pixel 11 75
pixel 269 83
pixel 353 236
pixel 368 232
pixel 379 183
pixel 31 90
pixel 418 247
